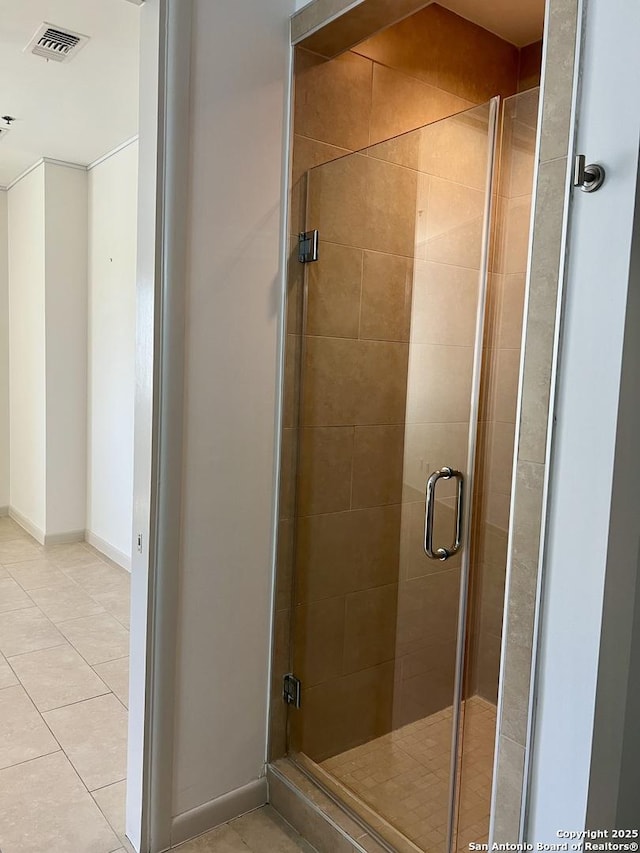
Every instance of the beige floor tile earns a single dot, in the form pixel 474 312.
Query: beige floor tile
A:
pixel 71 555
pixel 23 734
pixel 34 574
pixel 98 578
pixel 264 829
pixel 57 677
pixel 112 801
pixel 117 603
pixel 27 630
pixel 115 673
pixel 10 530
pixel 12 596
pixel 220 840
pixel 93 735
pixel 16 550
pixel 63 602
pixel 98 638
pixel 46 809
pixel 7 676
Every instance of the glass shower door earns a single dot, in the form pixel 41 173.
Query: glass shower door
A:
pixel 389 390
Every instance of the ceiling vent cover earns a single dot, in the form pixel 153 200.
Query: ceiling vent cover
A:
pixel 56 43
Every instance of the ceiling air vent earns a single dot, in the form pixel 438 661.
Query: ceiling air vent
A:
pixel 56 43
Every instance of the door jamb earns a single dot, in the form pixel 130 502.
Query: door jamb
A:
pixel 164 112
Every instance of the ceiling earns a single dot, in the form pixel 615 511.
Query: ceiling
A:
pixel 74 111
pixel 517 21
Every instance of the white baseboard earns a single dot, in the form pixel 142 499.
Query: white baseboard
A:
pixel 26 524
pixel 108 550
pixel 68 537
pixel 64 538
pixel 39 535
pixel 189 825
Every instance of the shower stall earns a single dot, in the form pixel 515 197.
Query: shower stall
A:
pixel 400 408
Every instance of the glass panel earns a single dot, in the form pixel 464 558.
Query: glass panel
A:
pixel 388 395
pixel 499 391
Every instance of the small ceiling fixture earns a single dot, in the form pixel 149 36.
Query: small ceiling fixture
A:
pixel 56 43
pixel 8 120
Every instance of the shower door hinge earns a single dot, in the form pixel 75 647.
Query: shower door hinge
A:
pixel 308 246
pixel 292 690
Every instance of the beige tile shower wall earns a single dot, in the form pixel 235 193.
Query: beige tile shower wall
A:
pixel 539 352
pixel 530 66
pixel 341 106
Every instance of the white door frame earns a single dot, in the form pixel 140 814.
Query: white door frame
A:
pixel 162 238
pixel 592 539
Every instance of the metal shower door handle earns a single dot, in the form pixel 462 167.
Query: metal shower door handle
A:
pixel 443 553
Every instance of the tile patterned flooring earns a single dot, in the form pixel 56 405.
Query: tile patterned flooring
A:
pixel 64 646
pixel 404 776
pixel 64 669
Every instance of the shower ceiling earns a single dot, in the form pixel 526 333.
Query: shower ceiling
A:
pixel 520 23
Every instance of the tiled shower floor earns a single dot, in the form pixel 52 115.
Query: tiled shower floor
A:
pixel 404 776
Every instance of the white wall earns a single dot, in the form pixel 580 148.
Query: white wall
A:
pixel 27 347
pixel 234 289
pixel 65 201
pixel 113 186
pixel 47 241
pixel 4 354
pixel 591 557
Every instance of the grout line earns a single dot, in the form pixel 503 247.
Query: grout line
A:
pixel 67 641
pixel 70 760
pixel 93 791
pixel 38 712
pixel 35 651
pixel 104 815
pixel 31 760
pixel 70 645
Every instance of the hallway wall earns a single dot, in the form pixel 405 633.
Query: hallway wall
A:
pixel 113 212
pixel 65 296
pixel 26 349
pixel 70 379
pixel 47 214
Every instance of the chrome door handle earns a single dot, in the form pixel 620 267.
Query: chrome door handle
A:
pixel 443 553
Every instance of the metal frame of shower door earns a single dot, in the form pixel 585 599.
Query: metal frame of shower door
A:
pixel 494 107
